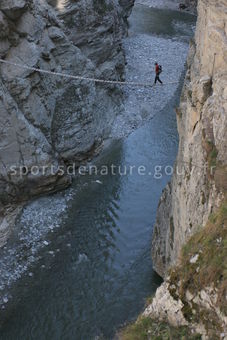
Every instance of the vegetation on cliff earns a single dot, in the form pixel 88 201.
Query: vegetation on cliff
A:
pixel 203 265
pixel 147 328
pixel 199 282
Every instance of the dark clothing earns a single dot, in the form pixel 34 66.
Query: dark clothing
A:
pixel 157 79
pixel 157 71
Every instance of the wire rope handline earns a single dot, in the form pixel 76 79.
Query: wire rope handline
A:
pixel 70 76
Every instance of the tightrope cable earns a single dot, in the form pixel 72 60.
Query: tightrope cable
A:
pixel 95 80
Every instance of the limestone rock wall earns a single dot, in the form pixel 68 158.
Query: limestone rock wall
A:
pixel 190 295
pixel 207 319
pixel 199 181
pixel 48 120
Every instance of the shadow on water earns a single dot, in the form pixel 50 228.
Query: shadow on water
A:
pixel 91 274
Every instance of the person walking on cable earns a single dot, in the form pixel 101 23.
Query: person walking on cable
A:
pixel 158 71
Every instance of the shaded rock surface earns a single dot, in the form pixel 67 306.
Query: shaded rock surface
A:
pixel 49 121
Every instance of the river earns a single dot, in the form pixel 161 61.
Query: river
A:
pixel 78 264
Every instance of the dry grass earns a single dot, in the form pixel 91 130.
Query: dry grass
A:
pixel 146 328
pixel 210 243
pixel 210 269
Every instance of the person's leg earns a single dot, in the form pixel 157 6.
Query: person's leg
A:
pixel 156 78
pixel 160 80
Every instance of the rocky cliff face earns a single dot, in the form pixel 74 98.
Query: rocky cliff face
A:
pixel 49 121
pixel 199 181
pixel 192 210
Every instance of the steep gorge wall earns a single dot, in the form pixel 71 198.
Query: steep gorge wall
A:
pixel 189 239
pixel 47 120
pixel 199 181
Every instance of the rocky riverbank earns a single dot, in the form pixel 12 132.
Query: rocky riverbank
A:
pixel 49 122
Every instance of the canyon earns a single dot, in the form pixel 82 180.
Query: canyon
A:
pixel 193 205
pixel 41 126
pixel 55 122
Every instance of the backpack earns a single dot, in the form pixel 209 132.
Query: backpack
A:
pixel 160 69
